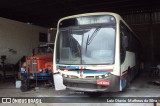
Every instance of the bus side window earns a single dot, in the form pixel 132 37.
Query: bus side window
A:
pixel 122 47
pixel 124 41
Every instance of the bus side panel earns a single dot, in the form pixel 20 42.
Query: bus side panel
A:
pixel 129 63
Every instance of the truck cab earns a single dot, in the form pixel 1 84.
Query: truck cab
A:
pixel 41 61
pixel 38 67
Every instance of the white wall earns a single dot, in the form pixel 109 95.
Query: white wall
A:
pixel 21 37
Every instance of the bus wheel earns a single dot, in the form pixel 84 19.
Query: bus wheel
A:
pixel 94 94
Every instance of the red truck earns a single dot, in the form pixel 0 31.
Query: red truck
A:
pixel 38 67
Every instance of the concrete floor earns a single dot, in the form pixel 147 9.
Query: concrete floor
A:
pixel 141 87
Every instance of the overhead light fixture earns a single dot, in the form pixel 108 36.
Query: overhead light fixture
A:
pixel 52 28
pixel 29 23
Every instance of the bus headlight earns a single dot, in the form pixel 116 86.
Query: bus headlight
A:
pixel 64 75
pixel 97 77
pixel 108 74
pixel 103 76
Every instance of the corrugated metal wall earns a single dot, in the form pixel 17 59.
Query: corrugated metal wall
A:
pixel 143 18
pixel 147 27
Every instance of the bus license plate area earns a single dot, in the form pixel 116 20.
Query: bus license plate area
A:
pixel 103 82
pixel 81 85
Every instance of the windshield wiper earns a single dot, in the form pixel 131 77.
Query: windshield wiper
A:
pixel 89 39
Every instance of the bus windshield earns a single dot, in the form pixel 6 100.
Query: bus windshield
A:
pixel 86 40
pixel 94 45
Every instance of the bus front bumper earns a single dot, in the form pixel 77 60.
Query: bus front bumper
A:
pixel 109 84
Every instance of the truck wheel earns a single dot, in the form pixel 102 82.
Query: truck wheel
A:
pixel 24 88
pixel 25 85
pixel 50 82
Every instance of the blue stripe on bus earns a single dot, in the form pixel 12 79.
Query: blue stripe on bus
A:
pixel 92 72
pixel 123 82
pixel 68 67
pixel 79 67
pixel 123 79
pixel 85 71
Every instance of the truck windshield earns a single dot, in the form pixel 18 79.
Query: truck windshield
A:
pixel 44 49
pixel 82 45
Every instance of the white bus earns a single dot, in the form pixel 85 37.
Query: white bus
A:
pixel 95 52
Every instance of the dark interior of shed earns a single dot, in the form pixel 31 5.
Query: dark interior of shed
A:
pixel 143 16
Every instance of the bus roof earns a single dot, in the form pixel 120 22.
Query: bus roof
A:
pixel 90 14
pixel 117 16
